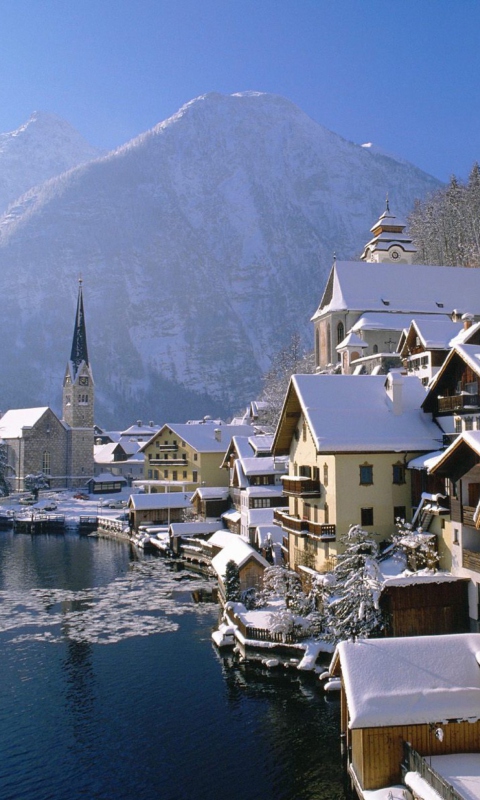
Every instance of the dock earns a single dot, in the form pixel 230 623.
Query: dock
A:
pixel 39 523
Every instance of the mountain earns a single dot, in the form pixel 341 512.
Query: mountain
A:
pixel 203 244
pixel 43 147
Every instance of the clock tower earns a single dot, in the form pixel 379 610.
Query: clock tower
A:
pixel 390 243
pixel 78 403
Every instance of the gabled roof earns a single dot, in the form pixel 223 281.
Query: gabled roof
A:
pixel 204 438
pixel 352 340
pixel 468 353
pixel 459 457
pixel 354 413
pixel 370 286
pixel 412 680
pixel 435 333
pixel 159 500
pixel 13 421
pixel 239 552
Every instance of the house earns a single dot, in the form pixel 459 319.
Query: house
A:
pixel 422 690
pixel 211 501
pixel 158 508
pixel 113 457
pixel 106 482
pixel 376 299
pixel 255 480
pixel 38 442
pixel 425 345
pixel 348 438
pixel 188 455
pixel 251 565
pixel 425 604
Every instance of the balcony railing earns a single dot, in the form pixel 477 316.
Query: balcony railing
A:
pixel 167 462
pixel 300 486
pixel 305 526
pixel 471 560
pixel 168 448
pixel 458 401
pixel 414 762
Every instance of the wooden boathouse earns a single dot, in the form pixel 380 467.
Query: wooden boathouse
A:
pixel 416 694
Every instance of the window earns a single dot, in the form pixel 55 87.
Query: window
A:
pixel 306 511
pixel 184 456
pixel 340 332
pixel 165 473
pixel 149 474
pixel 195 456
pixel 304 431
pixel 458 425
pixel 305 471
pixel 366 475
pixel 366 517
pixel 469 423
pixel 195 476
pixel 46 463
pixel 375 349
pixel 398 473
pixel 326 512
pixel 184 473
pixel 399 512
pixel 174 475
pixel 325 474
pixel 261 502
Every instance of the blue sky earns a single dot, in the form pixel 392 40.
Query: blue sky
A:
pixel 404 74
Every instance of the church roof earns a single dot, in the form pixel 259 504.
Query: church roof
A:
pixel 13 421
pixel 367 286
pixel 79 344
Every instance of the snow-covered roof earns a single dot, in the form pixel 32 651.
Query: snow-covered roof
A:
pixel 261 443
pixel 382 321
pixel 259 516
pixel 354 413
pixel 192 528
pixel 222 537
pixel 13 421
pixel 211 493
pixel 208 438
pixel 351 340
pixel 238 551
pixel 436 333
pixel 107 477
pixel 426 461
pixel 272 533
pixel 265 465
pixel 370 286
pixel 158 500
pixel 412 680
pixel 232 515
pixel 470 438
pixel 265 491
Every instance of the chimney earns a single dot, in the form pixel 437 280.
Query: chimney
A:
pixel 394 388
pixel 467 321
pixel 218 434
pixel 139 423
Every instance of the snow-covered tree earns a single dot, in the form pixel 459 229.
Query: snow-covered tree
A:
pixel 5 487
pixel 351 608
pixel 289 360
pixel 419 548
pixel 35 482
pixel 231 581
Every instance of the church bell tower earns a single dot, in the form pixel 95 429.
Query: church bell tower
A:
pixel 78 403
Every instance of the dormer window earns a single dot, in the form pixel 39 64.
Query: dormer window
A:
pixel 385 302
pixel 439 305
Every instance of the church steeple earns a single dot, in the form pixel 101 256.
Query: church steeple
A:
pixel 390 243
pixel 79 344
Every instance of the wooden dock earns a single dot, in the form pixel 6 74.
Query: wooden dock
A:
pixel 39 523
pixel 116 528
pixel 87 524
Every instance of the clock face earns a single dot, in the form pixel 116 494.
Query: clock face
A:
pixel 395 254
pixel 83 380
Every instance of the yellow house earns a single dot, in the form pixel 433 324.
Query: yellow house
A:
pixel 184 456
pixel 348 438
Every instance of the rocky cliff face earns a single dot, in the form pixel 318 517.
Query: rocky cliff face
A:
pixel 203 244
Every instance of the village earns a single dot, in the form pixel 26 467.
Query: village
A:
pixel 348 534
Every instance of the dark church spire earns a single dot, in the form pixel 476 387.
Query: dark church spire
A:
pixel 79 345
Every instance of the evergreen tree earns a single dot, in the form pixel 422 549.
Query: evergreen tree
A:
pixel 232 582
pixel 351 607
pixel 4 484
pixel 289 361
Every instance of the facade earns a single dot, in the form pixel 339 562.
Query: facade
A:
pixel 185 456
pixel 158 508
pixel 348 438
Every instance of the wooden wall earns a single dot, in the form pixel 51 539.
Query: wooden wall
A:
pixel 377 753
pixel 425 609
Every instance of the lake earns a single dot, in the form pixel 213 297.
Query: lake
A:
pixel 111 688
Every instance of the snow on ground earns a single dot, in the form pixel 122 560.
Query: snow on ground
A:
pixel 462 771
pixel 68 505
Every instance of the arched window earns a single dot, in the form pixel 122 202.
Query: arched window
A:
pixel 375 348
pixel 329 344
pixel 340 332
pixel 46 463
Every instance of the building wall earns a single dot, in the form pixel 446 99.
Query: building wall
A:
pixel 80 456
pixel 27 455
pixel 185 462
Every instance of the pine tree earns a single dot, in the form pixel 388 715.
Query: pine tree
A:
pixel 351 608
pixel 232 582
pixel 291 359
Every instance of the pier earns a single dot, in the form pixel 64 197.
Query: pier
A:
pixel 39 523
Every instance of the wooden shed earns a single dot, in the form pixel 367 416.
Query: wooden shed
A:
pixel 425 605
pixel 407 690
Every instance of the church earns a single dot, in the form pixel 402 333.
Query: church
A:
pixel 38 442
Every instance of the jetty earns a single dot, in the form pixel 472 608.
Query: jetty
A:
pixel 39 523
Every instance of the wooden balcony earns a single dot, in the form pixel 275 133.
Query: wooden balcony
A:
pixel 168 448
pixel 298 486
pixel 305 527
pixel 471 560
pixel 468 512
pixel 457 402
pixel 167 462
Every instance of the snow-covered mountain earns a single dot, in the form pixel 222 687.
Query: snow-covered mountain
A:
pixel 45 146
pixel 203 244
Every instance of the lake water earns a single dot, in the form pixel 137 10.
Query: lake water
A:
pixel 111 688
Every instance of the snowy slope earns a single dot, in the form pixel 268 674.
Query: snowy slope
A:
pixel 45 146
pixel 203 244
